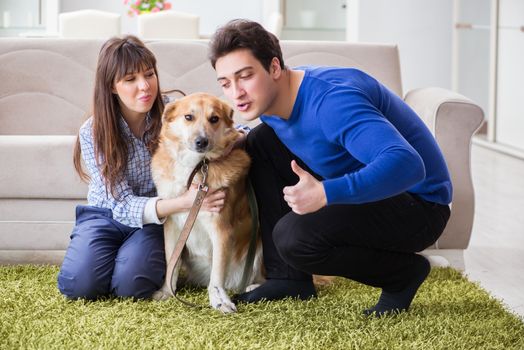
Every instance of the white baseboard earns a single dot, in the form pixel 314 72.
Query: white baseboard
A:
pixel 446 257
pixel 437 257
pixel 25 257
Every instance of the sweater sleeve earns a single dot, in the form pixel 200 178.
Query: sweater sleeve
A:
pixel 127 208
pixel 390 165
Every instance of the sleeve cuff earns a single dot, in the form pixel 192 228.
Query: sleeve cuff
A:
pixel 149 216
pixel 335 193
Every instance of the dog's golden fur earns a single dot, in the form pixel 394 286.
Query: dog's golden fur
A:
pixel 197 126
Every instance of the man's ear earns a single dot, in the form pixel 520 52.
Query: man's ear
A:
pixel 274 68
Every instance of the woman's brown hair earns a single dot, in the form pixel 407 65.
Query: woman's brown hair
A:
pixel 118 57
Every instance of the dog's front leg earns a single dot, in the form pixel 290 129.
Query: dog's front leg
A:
pixel 171 234
pixel 218 297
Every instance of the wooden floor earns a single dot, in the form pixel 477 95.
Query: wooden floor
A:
pixel 495 256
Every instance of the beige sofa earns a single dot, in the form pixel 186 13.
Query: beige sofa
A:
pixel 45 93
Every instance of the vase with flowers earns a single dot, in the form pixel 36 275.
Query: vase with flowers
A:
pixel 138 7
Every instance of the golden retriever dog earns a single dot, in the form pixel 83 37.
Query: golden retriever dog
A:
pixel 195 127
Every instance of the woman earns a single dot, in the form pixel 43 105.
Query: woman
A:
pixel 117 244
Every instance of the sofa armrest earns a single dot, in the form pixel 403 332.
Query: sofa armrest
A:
pixel 453 119
pixel 35 166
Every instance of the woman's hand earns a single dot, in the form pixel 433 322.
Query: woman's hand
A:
pixel 240 142
pixel 213 202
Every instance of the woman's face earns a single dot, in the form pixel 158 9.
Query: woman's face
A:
pixel 137 93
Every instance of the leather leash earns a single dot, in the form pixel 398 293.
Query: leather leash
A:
pixel 188 225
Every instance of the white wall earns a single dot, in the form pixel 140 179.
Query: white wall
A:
pixel 212 13
pixel 421 28
pixel 215 13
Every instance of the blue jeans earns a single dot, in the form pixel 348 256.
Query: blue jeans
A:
pixel 105 257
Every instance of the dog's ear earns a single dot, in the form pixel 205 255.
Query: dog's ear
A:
pixel 168 110
pixel 228 111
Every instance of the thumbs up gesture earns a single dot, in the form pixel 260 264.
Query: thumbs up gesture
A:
pixel 308 195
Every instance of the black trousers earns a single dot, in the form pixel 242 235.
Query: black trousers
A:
pixel 372 243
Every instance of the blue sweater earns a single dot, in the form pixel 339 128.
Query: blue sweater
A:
pixel 364 141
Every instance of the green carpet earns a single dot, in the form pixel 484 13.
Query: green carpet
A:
pixel 448 313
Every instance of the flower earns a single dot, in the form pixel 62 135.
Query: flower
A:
pixel 137 7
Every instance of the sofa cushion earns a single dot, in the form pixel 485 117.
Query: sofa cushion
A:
pixel 47 85
pixel 379 60
pixel 39 167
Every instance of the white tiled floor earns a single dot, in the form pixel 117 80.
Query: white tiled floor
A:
pixel 495 256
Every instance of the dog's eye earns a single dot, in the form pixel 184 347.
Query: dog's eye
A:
pixel 214 119
pixel 188 117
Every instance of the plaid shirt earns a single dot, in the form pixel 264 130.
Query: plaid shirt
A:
pixel 136 188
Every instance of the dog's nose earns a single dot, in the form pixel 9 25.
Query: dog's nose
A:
pixel 201 143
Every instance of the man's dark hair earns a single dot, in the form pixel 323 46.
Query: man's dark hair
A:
pixel 244 34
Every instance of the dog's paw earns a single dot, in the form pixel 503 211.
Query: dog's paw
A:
pixel 219 300
pixel 252 287
pixel 161 295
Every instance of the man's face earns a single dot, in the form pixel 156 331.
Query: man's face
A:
pixel 245 82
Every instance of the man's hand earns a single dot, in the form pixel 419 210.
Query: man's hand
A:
pixel 308 195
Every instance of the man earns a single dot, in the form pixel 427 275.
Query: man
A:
pixel 349 180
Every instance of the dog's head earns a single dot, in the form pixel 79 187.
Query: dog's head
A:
pixel 201 123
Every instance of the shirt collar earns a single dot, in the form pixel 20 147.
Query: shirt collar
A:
pixel 127 131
